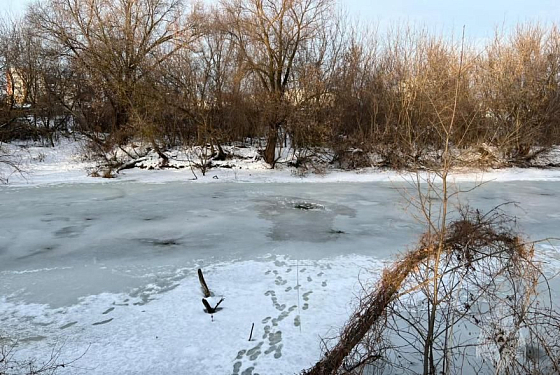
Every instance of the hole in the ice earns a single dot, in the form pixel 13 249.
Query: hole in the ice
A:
pixel 333 231
pixel 308 206
pixel 152 218
pixel 161 241
pixel 108 311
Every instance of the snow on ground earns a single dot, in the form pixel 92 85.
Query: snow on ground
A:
pixel 106 272
pixel 42 165
pixel 293 303
pixel 65 164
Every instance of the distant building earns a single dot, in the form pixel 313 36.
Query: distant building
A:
pixel 16 87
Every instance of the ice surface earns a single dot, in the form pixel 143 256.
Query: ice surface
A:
pixel 112 237
pixel 109 270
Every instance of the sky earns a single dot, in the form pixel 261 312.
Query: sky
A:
pixel 480 17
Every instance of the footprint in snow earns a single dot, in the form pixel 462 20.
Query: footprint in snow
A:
pixel 248 371
pixel 255 352
pixel 236 367
pixel 274 341
pixel 240 354
pixel 266 331
pixel 68 325
pixel 102 322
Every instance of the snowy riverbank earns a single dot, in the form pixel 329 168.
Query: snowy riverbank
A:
pixel 65 163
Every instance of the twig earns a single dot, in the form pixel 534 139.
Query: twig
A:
pixel 251 334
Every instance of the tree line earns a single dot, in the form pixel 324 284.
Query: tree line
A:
pixel 288 72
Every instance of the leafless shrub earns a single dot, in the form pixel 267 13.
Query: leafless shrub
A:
pixel 488 281
pixel 11 365
pixel 9 164
pixel 519 88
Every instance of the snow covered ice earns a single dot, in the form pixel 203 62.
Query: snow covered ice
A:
pixel 107 272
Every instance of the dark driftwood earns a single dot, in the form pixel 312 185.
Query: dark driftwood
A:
pixel 210 309
pixel 203 285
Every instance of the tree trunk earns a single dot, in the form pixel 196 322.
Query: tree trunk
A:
pixel 270 150
pixel 121 117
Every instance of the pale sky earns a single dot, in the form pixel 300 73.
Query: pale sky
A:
pixel 480 17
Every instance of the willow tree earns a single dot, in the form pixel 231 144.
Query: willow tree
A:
pixel 271 35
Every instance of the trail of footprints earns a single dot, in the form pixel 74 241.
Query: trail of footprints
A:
pixel 107 311
pixel 271 339
pixel 143 301
pixel 141 295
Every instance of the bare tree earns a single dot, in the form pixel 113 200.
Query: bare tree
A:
pixel 114 45
pixel 270 34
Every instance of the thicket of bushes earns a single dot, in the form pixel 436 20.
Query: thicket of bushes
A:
pixel 172 74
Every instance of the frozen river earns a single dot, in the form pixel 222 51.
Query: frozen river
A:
pixel 87 263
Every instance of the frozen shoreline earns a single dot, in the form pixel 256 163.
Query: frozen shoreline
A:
pixel 64 164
